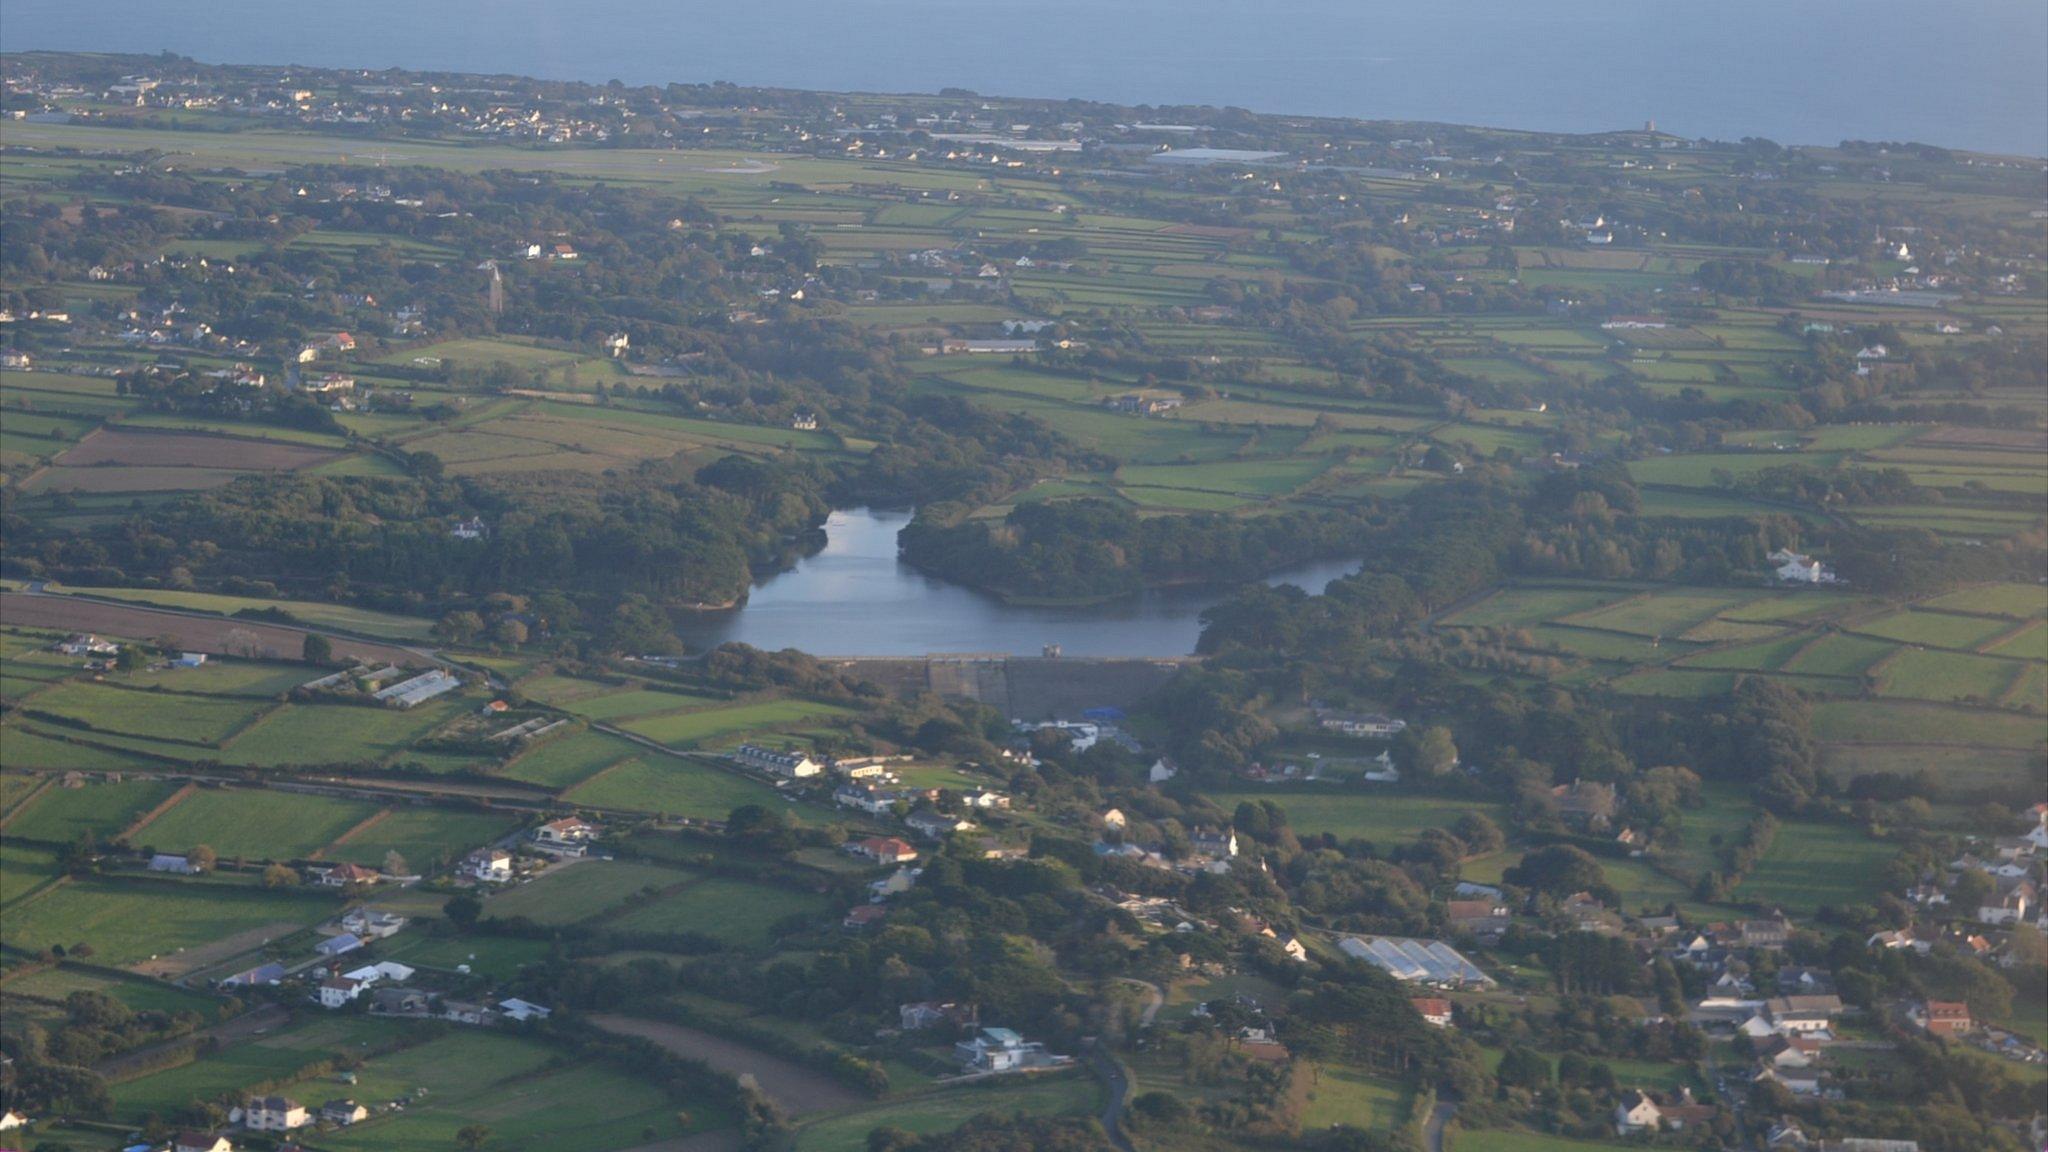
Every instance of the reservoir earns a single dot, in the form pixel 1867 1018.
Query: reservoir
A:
pixel 856 598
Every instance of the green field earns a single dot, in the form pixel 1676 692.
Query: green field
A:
pixel 733 912
pixel 168 716
pixel 2023 601
pixel 634 702
pixel 61 815
pixel 314 734
pixel 521 1091
pixel 1929 675
pixel 568 893
pixel 423 836
pixel 1663 613
pixel 496 957
pixel 672 786
pixel 1344 1095
pixel 255 824
pixel 1935 629
pixel 1812 864
pixel 1520 607
pixel 565 761
pixel 138 993
pixel 690 729
pixel 944 1109
pixel 1900 722
pixel 340 617
pixel 235 1068
pixel 129 921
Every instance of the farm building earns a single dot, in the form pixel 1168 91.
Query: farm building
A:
pixel 419 689
pixel 1415 961
pixel 793 765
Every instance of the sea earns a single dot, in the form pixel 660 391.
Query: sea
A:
pixel 1969 74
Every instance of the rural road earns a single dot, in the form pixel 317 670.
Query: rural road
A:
pixel 1116 1090
pixel 1154 999
pixel 1433 1128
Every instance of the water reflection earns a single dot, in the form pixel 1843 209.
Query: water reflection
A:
pixel 855 598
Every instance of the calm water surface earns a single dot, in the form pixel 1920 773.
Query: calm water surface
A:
pixel 855 598
pixel 1970 74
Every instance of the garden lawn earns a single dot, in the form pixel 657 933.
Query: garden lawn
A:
pixel 1343 1095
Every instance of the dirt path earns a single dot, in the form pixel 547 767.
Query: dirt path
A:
pixel 144 820
pixel 367 823
pixel 33 794
pixel 797 1089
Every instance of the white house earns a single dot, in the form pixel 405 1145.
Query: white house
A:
pixel 569 836
pixel 523 1010
pixel 273 1114
pixel 339 991
pixel 1804 570
pixel 792 765
pixel 493 865
pixel 1636 1112
pixel 1002 1050
pixel 342 1113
